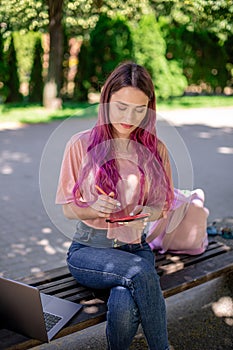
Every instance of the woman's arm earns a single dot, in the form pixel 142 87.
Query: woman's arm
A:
pixel 72 211
pixel 102 208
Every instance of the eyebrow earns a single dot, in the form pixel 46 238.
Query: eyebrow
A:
pixel 126 104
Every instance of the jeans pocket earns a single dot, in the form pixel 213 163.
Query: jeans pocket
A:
pixel 83 232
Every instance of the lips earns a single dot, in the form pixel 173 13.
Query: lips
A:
pixel 126 126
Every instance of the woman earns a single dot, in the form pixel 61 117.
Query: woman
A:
pixel 119 168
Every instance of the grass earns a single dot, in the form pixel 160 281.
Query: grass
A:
pixel 32 113
pixel 196 102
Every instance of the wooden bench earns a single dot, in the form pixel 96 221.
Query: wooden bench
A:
pixel 177 274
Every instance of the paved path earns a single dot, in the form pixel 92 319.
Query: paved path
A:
pixel 33 237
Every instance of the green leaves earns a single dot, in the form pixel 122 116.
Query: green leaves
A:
pixel 167 75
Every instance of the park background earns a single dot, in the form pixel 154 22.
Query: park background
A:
pixel 54 57
pixel 57 54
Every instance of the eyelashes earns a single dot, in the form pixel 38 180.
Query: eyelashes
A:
pixel 122 108
pixel 140 110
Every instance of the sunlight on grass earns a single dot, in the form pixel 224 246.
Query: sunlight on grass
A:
pixel 37 114
pixel 32 113
pixel 196 102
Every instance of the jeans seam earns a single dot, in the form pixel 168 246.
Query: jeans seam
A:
pixel 125 279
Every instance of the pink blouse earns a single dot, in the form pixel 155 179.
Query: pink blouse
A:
pixel 74 158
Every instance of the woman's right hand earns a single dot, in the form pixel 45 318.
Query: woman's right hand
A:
pixel 101 208
pixel 106 205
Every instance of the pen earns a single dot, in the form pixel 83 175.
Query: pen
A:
pixel 103 192
pixel 100 190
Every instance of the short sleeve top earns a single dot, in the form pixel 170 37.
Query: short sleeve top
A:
pixel 75 155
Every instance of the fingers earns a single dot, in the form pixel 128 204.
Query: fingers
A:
pixel 111 194
pixel 105 205
pixel 137 224
pixel 108 202
pixel 136 210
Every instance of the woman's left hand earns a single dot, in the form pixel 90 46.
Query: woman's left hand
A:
pixel 155 213
pixel 135 224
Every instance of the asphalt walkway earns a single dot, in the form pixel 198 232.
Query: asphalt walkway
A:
pixel 35 237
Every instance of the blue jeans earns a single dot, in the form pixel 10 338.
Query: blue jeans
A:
pixel 135 293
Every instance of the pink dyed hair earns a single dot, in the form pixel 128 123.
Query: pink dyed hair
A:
pixel 101 159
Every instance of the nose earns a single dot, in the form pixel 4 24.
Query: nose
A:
pixel 130 116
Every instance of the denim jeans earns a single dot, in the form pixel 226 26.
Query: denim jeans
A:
pixel 135 293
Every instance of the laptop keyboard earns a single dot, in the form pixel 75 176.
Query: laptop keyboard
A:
pixel 51 320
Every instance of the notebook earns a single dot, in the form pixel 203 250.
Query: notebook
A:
pixel 27 311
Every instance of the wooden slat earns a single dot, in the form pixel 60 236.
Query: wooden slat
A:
pixel 85 294
pixel 47 276
pixel 61 286
pixel 197 274
pixel 53 282
pixel 173 262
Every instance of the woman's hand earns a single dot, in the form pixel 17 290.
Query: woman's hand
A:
pixel 135 224
pixel 106 205
pixel 101 208
pixel 155 213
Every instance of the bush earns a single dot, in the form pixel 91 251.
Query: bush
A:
pixel 110 43
pixel 205 61
pixel 150 51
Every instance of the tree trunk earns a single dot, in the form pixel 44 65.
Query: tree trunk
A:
pixel 51 95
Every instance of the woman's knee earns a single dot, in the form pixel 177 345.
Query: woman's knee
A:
pixel 122 304
pixel 123 317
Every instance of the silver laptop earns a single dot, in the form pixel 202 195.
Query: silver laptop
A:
pixel 27 311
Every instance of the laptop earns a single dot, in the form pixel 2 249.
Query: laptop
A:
pixel 36 315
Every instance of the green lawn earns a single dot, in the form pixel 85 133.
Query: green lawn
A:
pixel 29 113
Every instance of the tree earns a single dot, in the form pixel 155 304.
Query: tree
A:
pixel 12 78
pixel 216 16
pixel 82 78
pixel 77 16
pixel 54 75
pixel 198 32
pixel 36 80
pixel 3 88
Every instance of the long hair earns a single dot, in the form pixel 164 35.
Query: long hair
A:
pixel 101 155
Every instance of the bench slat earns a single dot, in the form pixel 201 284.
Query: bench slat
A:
pixel 176 262
pixel 197 274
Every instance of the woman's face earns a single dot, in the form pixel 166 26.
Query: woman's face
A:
pixel 128 107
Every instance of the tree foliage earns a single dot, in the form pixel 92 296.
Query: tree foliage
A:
pixel 99 57
pixel 196 15
pixel 36 83
pixel 24 46
pixel 198 33
pixel 12 78
pixel 3 88
pixel 24 15
pixel 198 36
pixel 167 75
pixel 78 15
